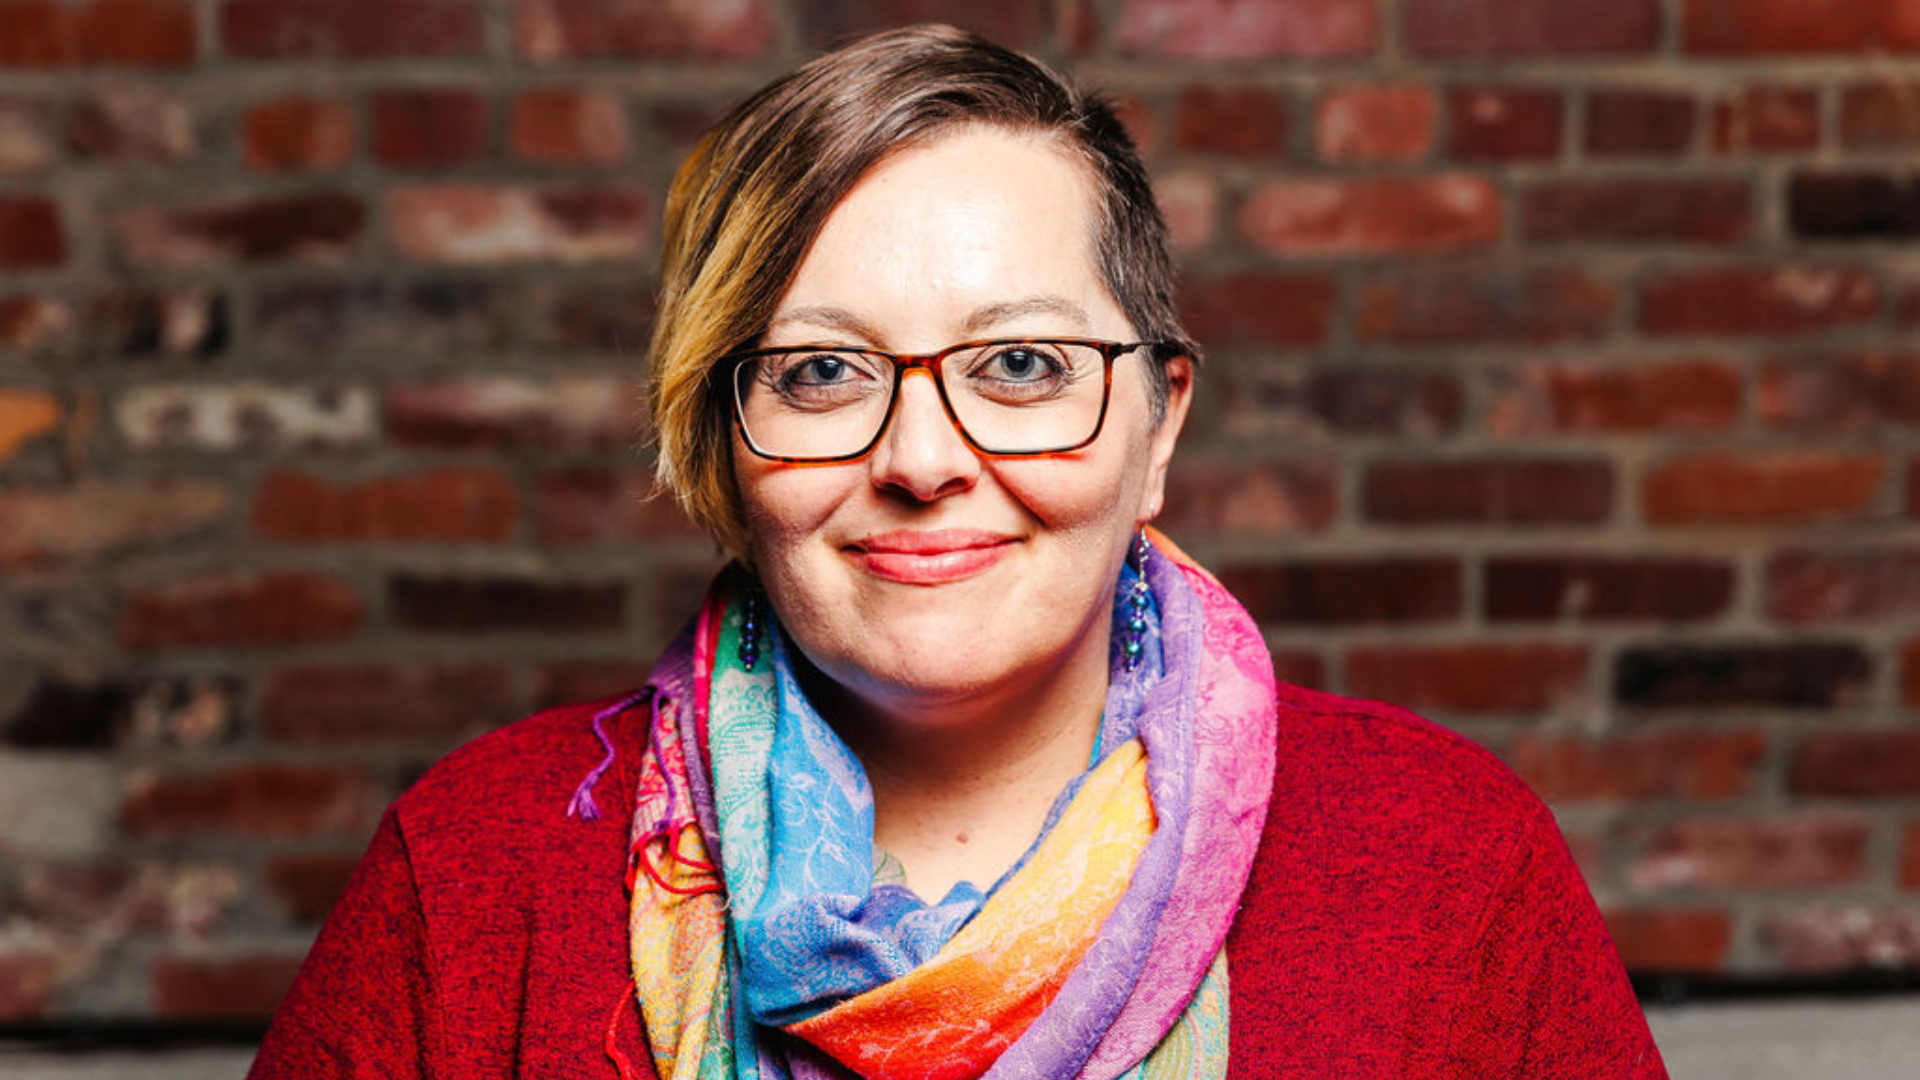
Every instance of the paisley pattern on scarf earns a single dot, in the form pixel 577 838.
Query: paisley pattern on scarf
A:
pixel 763 947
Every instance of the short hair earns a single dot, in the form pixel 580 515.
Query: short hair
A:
pixel 749 201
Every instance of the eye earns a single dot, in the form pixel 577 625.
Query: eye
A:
pixel 1018 363
pixel 823 369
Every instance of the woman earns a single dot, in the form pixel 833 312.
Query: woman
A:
pixel 960 770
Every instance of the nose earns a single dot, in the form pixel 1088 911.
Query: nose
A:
pixel 921 453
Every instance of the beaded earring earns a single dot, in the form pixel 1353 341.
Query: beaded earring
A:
pixel 750 627
pixel 1133 640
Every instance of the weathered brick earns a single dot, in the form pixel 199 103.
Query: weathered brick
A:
pixel 466 223
pixel 28 976
pixel 1679 940
pixel 831 23
pixel 598 315
pixel 58 805
pixel 1639 122
pixel 335 704
pixel 1190 203
pixel 1806 675
pixel 1241 121
pixel 428 127
pixel 25 416
pixel 240 611
pixel 1716 212
pixel 293 134
pixel 305 885
pixel 1910 674
pixel 1599 588
pixel 426 317
pixel 258 799
pixel 1696 765
pixel 1293 400
pixel 1431 306
pixel 1474 677
pixel 642 29
pixel 1766 119
pixel 311 226
pixel 32 324
pixel 1381 123
pixel 1882 113
pixel 572 681
pixel 225 988
pixel 568 412
pixel 1910 859
pixel 1787 27
pixel 1531 27
pixel 446 504
pixel 350 29
pixel 1840 392
pixel 559 125
pixel 491 604
pixel 28 142
pixel 245 417
pixel 1854 206
pixel 128 125
pixel 1504 123
pixel 1259 309
pixel 1248 29
pixel 1855 584
pixel 1488 491
pixel 60 715
pixel 98 715
pixel 1373 215
pixel 1765 486
pixel 1214 498
pixel 95 520
pixel 1753 300
pixel 1749 853
pixel 602 506
pixel 1541 398
pixel 186 322
pixel 32 236
pixel 1841 938
pixel 1300 668
pixel 1329 592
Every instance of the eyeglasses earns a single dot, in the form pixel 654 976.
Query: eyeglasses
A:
pixel 1009 397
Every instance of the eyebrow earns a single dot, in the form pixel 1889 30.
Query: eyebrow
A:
pixel 977 321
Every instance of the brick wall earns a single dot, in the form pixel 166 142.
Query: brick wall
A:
pixel 1564 384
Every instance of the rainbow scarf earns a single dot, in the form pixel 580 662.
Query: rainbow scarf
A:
pixel 764 948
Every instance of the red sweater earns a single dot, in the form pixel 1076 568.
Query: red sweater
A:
pixel 1413 912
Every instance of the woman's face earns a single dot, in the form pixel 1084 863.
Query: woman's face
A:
pixel 927 575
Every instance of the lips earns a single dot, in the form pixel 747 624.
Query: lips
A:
pixel 931 557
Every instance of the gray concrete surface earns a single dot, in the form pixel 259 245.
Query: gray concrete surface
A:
pixel 1824 1040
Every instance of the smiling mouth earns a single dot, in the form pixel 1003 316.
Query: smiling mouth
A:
pixel 929 558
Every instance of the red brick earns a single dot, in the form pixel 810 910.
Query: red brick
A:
pixel 1190 203
pixel 1785 27
pixel 1540 398
pixel 38 34
pixel 1372 216
pixel 1910 859
pixel 258 799
pixel 254 417
pixel 137 33
pixel 296 133
pixel 1300 668
pixel 1854 205
pixel 124 125
pixel 1240 121
pixel 1767 119
pixel 230 611
pixel 32 324
pixel 684 125
pixel 1531 27
pixel 580 412
pixel 568 126
pixel 1504 124
pixel 1332 592
pixel 601 506
pixel 1248 29
pixel 1291 400
pixel 1259 309
pixel 448 504
pixel 1215 498
pixel 31 236
pixel 1383 123
pixel 1480 677
pixel 1488 491
pixel 1695 765
pixel 1854 584
pixel 1433 306
pixel 310 226
pixel 1749 853
pixel 474 224
pixel 831 23
pixel 350 29
pixel 428 127
pixel 1639 122
pixel 27 139
pixel 95 520
pixel 642 29
pixel 587 680
pixel 336 704
pixel 1865 391
pixel 28 978
pixel 1717 212
pixel 1883 113
pixel 197 988
pixel 305 885
pixel 1910 674
pixel 1671 940
pixel 604 315
pixel 1751 300
pixel 25 416
pixel 1700 677
pixel 1597 588
pixel 1834 938
pixel 1762 487
pixel 492 604
pixel 426 317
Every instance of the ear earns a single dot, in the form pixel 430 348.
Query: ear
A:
pixel 1161 440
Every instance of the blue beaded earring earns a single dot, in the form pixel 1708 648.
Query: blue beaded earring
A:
pixel 750 626
pixel 1133 640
